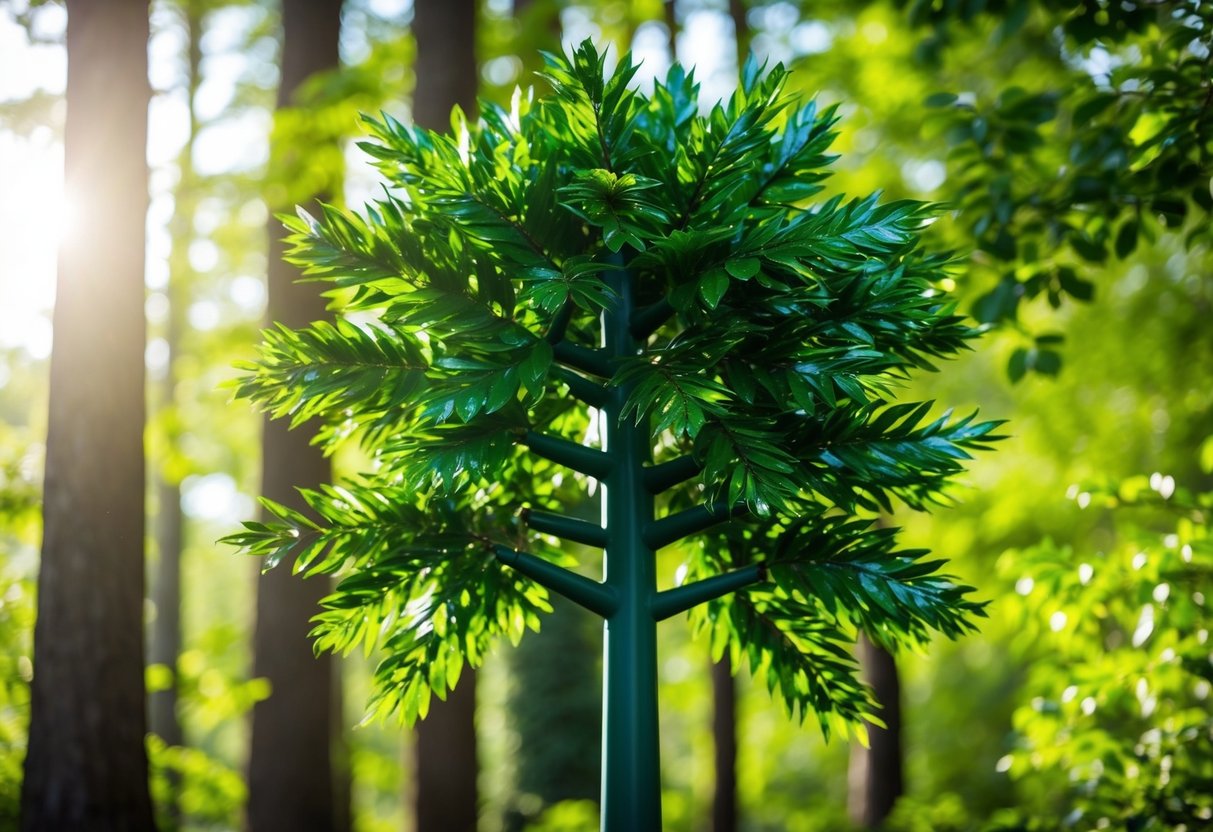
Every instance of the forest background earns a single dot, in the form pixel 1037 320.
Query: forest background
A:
pixel 1073 144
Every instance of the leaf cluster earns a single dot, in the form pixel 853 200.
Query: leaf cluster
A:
pixel 772 331
pixel 1116 704
pixel 1055 179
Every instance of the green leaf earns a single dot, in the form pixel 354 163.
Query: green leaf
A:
pixel 1017 367
pixel 1000 302
pixel 940 99
pixel 534 368
pixel 588 242
pixel 743 268
pixel 1093 106
pixel 1075 286
pixel 1126 238
pixel 1047 362
pixel 712 287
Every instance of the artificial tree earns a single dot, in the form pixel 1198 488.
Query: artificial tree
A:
pixel 604 288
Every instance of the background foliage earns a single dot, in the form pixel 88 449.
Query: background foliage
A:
pixel 1072 140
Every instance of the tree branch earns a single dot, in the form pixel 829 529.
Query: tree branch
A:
pixel 661 477
pixel 588 461
pixel 674 527
pixel 583 358
pixel 682 598
pixel 560 323
pixel 593 596
pixel 588 391
pixel 568 528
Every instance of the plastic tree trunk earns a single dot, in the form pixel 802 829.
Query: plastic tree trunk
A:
pixel 627 599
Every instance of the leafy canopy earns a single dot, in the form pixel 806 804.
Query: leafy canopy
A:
pixel 1105 150
pixel 464 359
pixel 1116 732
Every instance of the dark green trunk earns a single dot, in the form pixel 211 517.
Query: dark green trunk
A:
pixel 627 598
pixel 631 770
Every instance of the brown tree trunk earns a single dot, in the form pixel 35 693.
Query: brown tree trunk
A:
pixel 446 69
pixel 724 735
pixel 875 778
pixel 291 768
pixel 86 768
pixel 444 793
pixel 445 797
pixel 670 10
pixel 741 30
pixel 164 643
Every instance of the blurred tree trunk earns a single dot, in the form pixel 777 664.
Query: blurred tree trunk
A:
pixel 292 777
pixel 446 68
pixel 164 644
pixel 724 736
pixel 875 778
pixel 87 765
pixel 444 796
pixel 741 30
pixel 555 707
pixel 670 10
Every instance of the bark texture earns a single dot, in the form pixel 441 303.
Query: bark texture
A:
pixel 291 764
pixel 86 768
pixel 875 777
pixel 724 736
pixel 444 794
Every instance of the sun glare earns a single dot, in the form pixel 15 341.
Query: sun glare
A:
pixel 35 216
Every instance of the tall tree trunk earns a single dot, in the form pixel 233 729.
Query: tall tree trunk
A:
pixel 291 768
pixel 741 30
pixel 724 735
pixel 670 10
pixel 446 69
pixel 555 707
pixel 164 643
pixel 875 778
pixel 444 794
pixel 86 768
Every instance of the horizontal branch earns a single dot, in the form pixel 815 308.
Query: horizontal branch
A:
pixel 668 474
pixel 585 359
pixel 682 598
pixel 645 321
pixel 592 393
pixel 588 461
pixel 568 528
pixel 595 597
pixel 674 527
